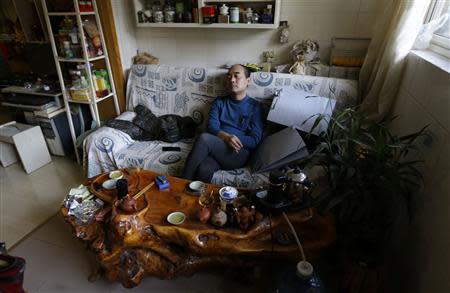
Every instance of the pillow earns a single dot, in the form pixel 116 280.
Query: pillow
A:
pixel 277 150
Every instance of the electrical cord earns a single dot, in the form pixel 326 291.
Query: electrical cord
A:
pixel 300 247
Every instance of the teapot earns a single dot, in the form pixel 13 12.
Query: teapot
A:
pixel 204 214
pixel 128 204
pixel 219 218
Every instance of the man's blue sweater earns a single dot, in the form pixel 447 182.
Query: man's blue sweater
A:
pixel 242 118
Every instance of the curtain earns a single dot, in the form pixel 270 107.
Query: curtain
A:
pixel 396 27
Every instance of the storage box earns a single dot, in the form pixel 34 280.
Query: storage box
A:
pixel 80 94
pixel 25 142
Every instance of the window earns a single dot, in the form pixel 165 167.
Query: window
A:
pixel 441 38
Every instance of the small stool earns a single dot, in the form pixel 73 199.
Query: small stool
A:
pixel 25 142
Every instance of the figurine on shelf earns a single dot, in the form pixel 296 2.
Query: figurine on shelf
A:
pixel 224 17
pixel 284 35
pixel 268 57
pixel 224 9
pixel 304 53
pixel 299 66
pixel 309 49
pixel 94 38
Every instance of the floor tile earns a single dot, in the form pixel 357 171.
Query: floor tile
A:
pixel 28 200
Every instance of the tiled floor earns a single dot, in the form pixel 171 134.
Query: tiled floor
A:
pixel 57 262
pixel 28 200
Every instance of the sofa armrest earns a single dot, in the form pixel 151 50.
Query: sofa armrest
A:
pixel 100 149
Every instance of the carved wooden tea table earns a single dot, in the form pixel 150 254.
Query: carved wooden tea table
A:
pixel 131 245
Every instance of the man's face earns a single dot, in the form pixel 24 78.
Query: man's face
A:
pixel 237 81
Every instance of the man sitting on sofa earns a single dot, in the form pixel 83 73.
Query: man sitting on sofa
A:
pixel 235 128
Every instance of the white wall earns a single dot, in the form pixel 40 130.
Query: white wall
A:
pixel 424 98
pixel 126 32
pixel 316 19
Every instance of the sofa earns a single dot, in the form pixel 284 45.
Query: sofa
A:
pixel 189 91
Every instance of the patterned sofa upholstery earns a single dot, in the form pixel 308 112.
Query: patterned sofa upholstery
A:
pixel 190 92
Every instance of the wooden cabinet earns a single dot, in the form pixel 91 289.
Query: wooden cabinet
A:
pixel 144 14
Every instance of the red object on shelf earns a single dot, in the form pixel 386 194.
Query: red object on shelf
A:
pixel 85 6
pixel 82 6
pixel 89 7
pixel 208 11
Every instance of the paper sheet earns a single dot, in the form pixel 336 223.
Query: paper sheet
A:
pixel 300 109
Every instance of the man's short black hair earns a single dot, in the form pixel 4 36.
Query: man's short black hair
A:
pixel 246 70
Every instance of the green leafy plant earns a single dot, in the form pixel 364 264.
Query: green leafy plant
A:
pixel 368 174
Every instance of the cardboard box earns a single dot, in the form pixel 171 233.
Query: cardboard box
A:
pixel 25 142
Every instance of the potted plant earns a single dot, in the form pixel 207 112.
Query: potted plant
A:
pixel 369 178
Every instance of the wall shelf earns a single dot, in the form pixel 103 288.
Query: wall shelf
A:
pixel 70 13
pixel 276 8
pixel 238 1
pixel 213 25
pixel 60 59
pixel 96 100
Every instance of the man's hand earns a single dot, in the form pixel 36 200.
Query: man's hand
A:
pixel 232 140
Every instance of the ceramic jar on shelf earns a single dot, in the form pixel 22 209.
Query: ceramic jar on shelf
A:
pixel 234 14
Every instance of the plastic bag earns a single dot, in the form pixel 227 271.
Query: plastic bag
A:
pixel 426 32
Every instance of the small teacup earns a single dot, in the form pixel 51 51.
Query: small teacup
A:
pixel 116 175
